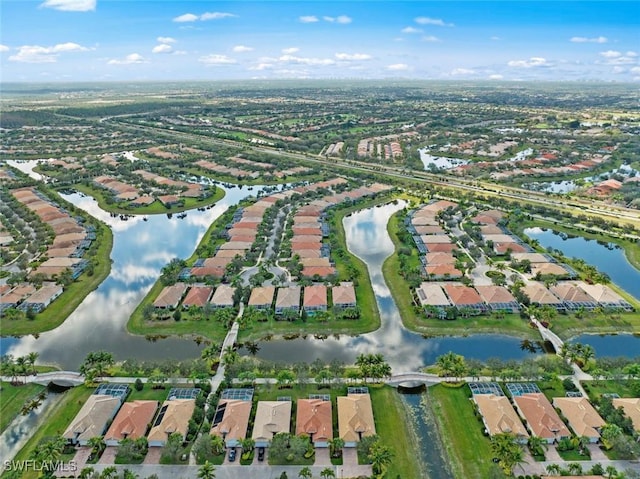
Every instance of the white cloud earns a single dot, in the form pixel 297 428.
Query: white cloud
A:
pixel 70 5
pixel 187 17
pixel 431 39
pixel 215 59
pixel 215 15
pixel 632 54
pixel 411 30
pixel 4 48
pixel 353 56
pixel 495 38
pixel 396 67
pixel 190 17
pixel 162 48
pixel 133 58
pixel 308 19
pixel 262 66
pixel 533 62
pixel 495 77
pixel 40 54
pixel 343 19
pixel 290 51
pixel 306 61
pixel 611 54
pixel 166 40
pixel 618 70
pixel 242 49
pixel 635 70
pixel 462 71
pixel 432 21
pixel 589 40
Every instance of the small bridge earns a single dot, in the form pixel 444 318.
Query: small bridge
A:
pixel 549 335
pixel 58 378
pixel 413 380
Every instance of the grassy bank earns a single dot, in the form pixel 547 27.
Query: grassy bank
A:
pixel 155 208
pixel 369 316
pixel 467 448
pixel 12 398
pixel 511 324
pixel 393 427
pixel 58 311
pixel 59 417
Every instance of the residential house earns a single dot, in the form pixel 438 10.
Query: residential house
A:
pixel 583 419
pixel 272 417
pixel 315 298
pixel 499 416
pixel 132 421
pixel 288 299
pixel 92 419
pixel 542 419
pixel 355 418
pixel 173 418
pixel 314 418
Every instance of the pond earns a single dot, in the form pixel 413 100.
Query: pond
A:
pixel 140 250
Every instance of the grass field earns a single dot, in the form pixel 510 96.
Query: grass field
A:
pixel 57 421
pixel 622 387
pixel 12 398
pixel 155 208
pixel 468 449
pixel 73 295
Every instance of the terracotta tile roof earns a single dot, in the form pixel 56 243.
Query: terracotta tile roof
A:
pixel 502 248
pixel 631 407
pixel 170 295
pixel 548 268
pixel 440 247
pixel 197 296
pixel 440 258
pixel 305 246
pixel 262 296
pixel 271 418
pixel 322 271
pixel 343 294
pixel 355 417
pixel 498 415
pixel 461 295
pixel 175 419
pixel 314 418
pixel 537 293
pixel 442 270
pixel 132 420
pixel 235 421
pixel 582 417
pixel 315 295
pixel 288 297
pixel 570 292
pixel 542 419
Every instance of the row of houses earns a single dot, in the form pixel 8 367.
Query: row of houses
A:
pixel 105 413
pixel 314 298
pixel 433 243
pixel 71 241
pixel 309 229
pixel 575 295
pixel 195 296
pixel 540 415
pixel 478 298
pixel 313 418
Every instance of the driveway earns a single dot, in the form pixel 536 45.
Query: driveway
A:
pixel 109 455
pixel 322 457
pixel 153 456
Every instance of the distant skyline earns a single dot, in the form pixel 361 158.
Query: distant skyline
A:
pixel 121 40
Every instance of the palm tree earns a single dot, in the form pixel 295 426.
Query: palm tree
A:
pixel 305 473
pixel 248 444
pixel 327 472
pixel 537 445
pixel 22 363
pixel 335 446
pixel 553 469
pixel 207 471
pixel 611 472
pixel 380 457
pixel 97 445
pixel 217 444
pixel 32 357
pixel 109 473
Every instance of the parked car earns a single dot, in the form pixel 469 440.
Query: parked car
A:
pixel 232 454
pixel 261 454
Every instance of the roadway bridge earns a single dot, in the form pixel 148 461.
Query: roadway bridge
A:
pixel 57 378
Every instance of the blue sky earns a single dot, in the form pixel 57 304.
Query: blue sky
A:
pixel 121 40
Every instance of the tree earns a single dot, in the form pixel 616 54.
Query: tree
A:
pixel 451 364
pixel 32 357
pixel 380 457
pixel 609 433
pixel 285 377
pixel 327 472
pixel 537 445
pixel 335 446
pixel 207 471
pixel 507 450
pixel 217 445
pixel 97 445
pixel 96 363
pixel 305 473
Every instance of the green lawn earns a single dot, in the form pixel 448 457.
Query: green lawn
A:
pixel 573 455
pixel 511 324
pixel 552 388
pixel 155 208
pixel 148 393
pixel 467 448
pixel 392 425
pixel 12 398
pixel 622 387
pixel 58 419
pixel 72 296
